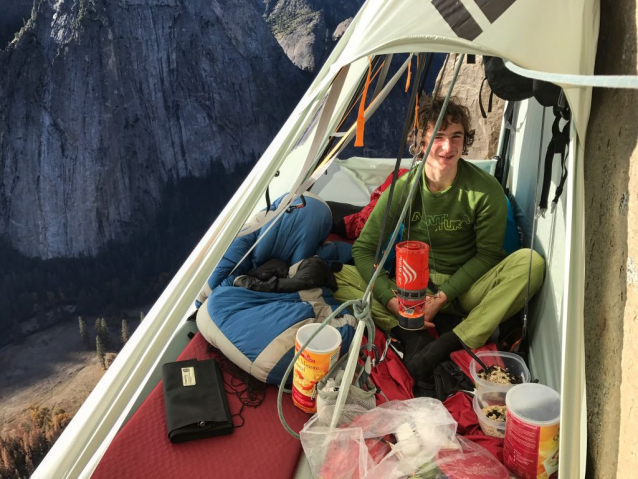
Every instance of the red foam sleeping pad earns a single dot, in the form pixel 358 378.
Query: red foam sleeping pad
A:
pixel 261 448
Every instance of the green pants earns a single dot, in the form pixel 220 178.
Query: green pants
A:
pixel 496 296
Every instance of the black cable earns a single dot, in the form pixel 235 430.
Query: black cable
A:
pixel 406 128
pixel 268 205
pixel 250 391
pixel 429 57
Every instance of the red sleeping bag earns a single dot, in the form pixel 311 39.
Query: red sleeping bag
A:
pixel 355 222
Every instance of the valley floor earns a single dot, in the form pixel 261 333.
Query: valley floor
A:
pixel 52 369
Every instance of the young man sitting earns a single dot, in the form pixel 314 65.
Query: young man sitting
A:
pixel 460 212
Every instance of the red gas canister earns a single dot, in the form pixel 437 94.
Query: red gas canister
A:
pixel 412 275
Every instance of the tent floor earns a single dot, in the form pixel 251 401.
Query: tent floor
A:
pixel 261 448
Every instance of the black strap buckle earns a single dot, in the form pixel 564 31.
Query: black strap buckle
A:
pixel 292 208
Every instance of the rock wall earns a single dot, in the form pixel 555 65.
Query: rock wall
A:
pixel 307 30
pixel 611 269
pixel 14 14
pixel 466 89
pixel 102 103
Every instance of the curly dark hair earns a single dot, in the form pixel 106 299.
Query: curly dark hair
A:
pixel 429 110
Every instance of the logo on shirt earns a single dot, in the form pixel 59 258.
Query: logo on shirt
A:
pixel 443 223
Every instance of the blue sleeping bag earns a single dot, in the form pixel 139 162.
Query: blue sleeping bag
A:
pixel 257 330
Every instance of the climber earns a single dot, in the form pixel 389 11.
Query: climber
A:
pixel 460 211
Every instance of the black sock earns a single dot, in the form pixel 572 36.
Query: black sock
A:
pixel 423 363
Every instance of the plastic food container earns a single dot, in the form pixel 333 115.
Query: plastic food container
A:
pixel 530 449
pixel 490 393
pixel 488 426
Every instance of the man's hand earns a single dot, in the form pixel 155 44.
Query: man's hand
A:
pixel 393 306
pixel 432 306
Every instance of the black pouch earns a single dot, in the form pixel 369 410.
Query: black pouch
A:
pixel 447 379
pixel 195 400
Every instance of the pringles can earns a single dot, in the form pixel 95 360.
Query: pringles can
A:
pixel 530 449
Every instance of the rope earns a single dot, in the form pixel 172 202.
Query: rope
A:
pixel 414 151
pixel 362 307
pixel 361 312
pixel 537 214
pixel 407 82
pixel 415 184
pixel 435 94
pixel 397 165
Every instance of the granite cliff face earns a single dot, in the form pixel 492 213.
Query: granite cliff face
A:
pixel 13 15
pixel 307 30
pixel 103 102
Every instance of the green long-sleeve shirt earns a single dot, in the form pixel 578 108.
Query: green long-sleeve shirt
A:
pixel 466 226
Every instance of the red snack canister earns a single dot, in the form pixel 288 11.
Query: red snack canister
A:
pixel 532 427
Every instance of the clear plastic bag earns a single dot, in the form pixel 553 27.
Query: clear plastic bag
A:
pixel 472 461
pixel 361 393
pixel 416 437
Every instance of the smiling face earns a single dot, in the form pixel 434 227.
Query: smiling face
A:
pixel 446 148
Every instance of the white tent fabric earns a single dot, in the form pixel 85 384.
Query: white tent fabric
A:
pixel 542 35
pixel 556 320
pixel 353 180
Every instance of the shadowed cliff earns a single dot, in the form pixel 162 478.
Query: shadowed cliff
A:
pixel 103 102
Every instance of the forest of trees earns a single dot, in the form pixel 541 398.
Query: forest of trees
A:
pixel 122 275
pixel 25 445
pixel 22 452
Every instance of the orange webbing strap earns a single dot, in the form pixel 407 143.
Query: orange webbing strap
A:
pixel 343 120
pixel 407 82
pixel 361 121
